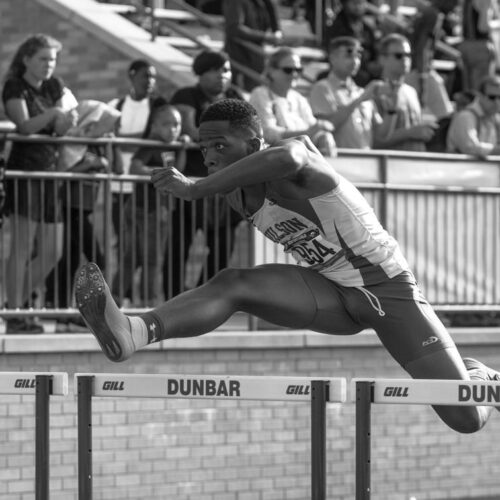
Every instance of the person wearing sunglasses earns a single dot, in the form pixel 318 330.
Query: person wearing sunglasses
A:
pixel 475 130
pixel 337 98
pixel 403 127
pixel 283 110
pixel 355 20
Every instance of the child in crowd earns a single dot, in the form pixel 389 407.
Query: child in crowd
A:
pixel 95 119
pixel 145 212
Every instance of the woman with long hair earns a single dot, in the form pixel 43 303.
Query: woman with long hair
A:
pixel 38 103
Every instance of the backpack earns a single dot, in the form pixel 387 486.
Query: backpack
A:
pixel 437 144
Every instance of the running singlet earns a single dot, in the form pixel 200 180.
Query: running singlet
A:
pixel 336 234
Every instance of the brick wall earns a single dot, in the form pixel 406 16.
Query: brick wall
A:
pixel 89 67
pixel 212 450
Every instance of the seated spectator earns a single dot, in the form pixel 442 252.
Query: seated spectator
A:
pixel 96 119
pixel 284 112
pixel 213 70
pixel 337 98
pixel 250 22
pixel 477 48
pixel 38 103
pixel 146 221
pixel 475 130
pixel 426 29
pixel 135 108
pixel 403 127
pixel 353 21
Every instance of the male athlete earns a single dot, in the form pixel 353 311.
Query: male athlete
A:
pixel 352 274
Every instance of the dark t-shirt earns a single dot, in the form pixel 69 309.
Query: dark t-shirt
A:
pixel 25 156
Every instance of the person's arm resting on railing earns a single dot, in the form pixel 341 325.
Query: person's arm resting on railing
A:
pixel 17 111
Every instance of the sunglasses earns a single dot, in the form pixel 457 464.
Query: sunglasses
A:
pixel 291 70
pixel 398 55
pixel 354 52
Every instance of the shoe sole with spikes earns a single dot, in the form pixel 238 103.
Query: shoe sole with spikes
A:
pixel 101 314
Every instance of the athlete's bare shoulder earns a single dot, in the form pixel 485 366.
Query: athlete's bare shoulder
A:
pixel 317 175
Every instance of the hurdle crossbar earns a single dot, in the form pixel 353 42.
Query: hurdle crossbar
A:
pixel 42 386
pixel 318 392
pixel 408 391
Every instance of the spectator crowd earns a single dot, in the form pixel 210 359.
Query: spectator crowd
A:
pixel 381 91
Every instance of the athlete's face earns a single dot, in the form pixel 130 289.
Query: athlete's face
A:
pixel 222 145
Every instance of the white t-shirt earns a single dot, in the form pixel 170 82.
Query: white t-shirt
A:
pixel 134 115
pixel 133 122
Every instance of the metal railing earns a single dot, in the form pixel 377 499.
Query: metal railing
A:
pixel 443 210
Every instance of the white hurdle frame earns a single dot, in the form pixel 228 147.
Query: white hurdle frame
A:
pixel 317 391
pixel 408 391
pixel 42 385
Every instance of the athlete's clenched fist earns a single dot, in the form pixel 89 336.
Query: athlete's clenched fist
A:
pixel 170 180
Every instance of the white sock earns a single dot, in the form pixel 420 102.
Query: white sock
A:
pixel 138 331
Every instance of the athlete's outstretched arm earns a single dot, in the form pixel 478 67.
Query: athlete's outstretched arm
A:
pixel 292 161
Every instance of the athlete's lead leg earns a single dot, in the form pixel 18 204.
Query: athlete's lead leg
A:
pixel 281 294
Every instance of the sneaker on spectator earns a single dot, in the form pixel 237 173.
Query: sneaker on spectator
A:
pixel 22 326
pixel 71 325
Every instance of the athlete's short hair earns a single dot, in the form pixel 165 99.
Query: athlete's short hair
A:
pixel 240 114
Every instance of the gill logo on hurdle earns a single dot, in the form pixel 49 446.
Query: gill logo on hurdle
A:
pixel 212 386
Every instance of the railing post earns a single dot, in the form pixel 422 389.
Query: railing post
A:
pixel 319 397
pixel 43 384
pixel 85 437
pixel 108 208
pixel 364 391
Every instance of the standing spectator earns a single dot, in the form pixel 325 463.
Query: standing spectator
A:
pixel 337 98
pixel 135 108
pixel 403 127
pixel 477 48
pixel 96 119
pixel 352 20
pixel 146 221
pixel 426 30
pixel 475 130
pixel 213 70
pixel 285 112
pixel 38 103
pixel 254 21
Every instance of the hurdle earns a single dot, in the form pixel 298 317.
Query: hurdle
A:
pixel 318 392
pixel 408 391
pixel 42 386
